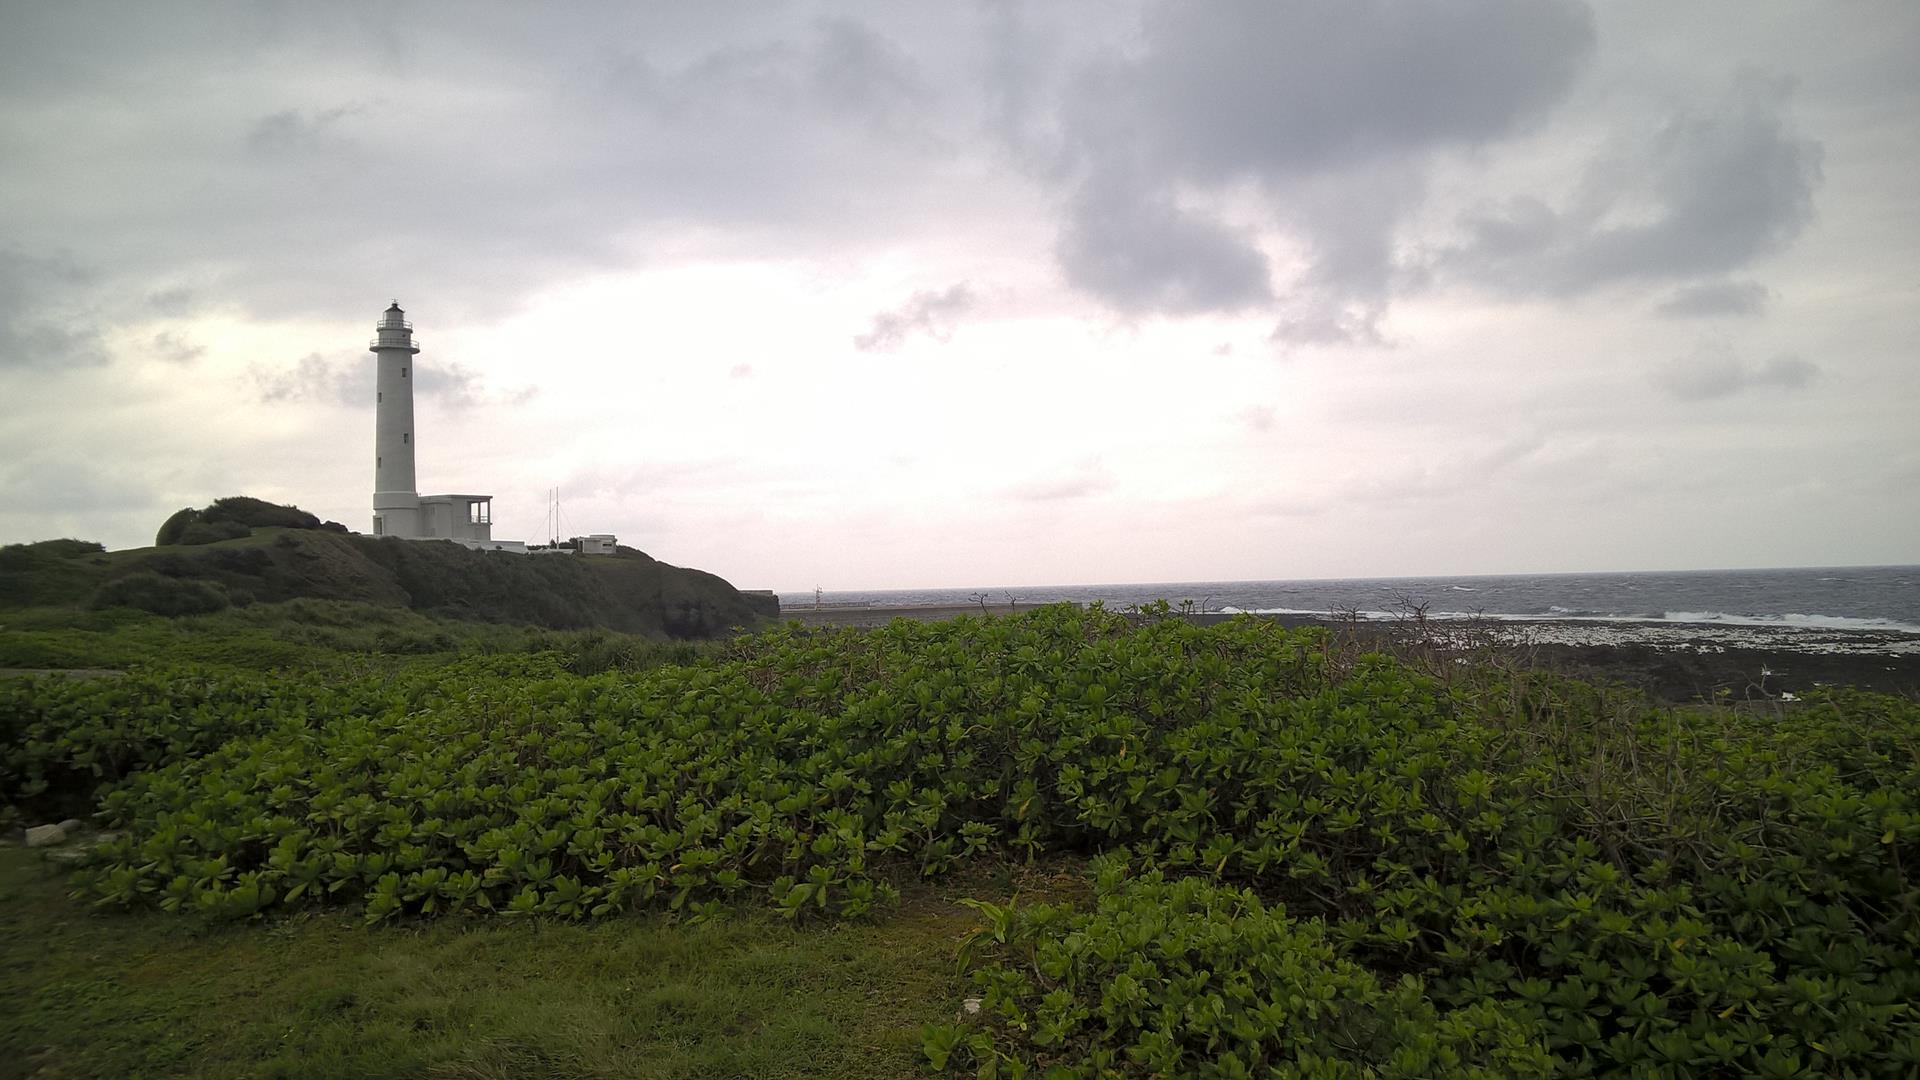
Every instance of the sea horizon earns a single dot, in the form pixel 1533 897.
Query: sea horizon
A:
pixel 1865 598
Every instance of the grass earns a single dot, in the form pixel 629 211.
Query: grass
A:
pixel 96 994
pixel 330 635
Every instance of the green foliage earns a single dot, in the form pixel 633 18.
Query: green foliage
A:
pixel 62 738
pixel 1463 877
pixel 258 514
pixel 159 594
pixel 59 549
pixel 50 571
pixel 229 519
pixel 212 532
pixel 1190 978
pixel 175 526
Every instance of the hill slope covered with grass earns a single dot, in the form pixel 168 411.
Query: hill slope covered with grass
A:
pixel 243 551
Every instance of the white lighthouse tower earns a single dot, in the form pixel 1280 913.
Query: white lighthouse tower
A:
pixel 396 501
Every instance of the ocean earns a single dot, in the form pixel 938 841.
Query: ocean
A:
pixel 1883 599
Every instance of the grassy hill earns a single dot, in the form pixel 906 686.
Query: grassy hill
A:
pixel 271 563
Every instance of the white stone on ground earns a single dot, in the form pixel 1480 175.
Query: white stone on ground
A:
pixel 46 836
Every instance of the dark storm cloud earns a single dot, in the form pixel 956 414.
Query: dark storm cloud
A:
pixel 929 311
pixel 1714 299
pixel 45 321
pixel 1222 96
pixel 1715 371
pixel 1705 193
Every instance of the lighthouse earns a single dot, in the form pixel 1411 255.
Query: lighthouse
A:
pixel 399 510
pixel 396 500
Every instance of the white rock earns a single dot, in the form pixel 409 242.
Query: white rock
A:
pixel 46 836
pixel 971 1006
pixel 72 825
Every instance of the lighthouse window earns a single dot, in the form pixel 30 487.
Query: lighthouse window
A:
pixel 407 437
pixel 403 373
pixel 378 397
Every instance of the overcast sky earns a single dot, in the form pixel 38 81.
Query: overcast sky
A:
pixel 871 295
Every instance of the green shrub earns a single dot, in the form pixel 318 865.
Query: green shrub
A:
pixel 1189 978
pixel 175 526
pixel 47 572
pixel 161 595
pixel 60 549
pixel 1698 892
pixel 212 532
pixel 258 514
pixel 230 518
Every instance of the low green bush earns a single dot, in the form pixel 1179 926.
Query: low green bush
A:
pixel 1190 978
pixel 212 532
pixel 258 514
pixel 175 526
pixel 1628 890
pixel 59 549
pixel 159 594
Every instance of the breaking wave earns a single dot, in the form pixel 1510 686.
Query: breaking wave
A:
pixel 1556 613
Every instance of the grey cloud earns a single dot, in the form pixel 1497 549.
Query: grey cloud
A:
pixel 175 349
pixel 172 302
pixel 58 484
pixel 1319 319
pixel 345 379
pixel 1715 298
pixel 1714 371
pixel 930 312
pixel 45 316
pixel 1019 72
pixel 858 72
pixel 1276 96
pixel 518 149
pixel 458 386
pixel 297 129
pixel 1706 193
pixel 317 378
pixel 1140 252
pixel 1254 89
